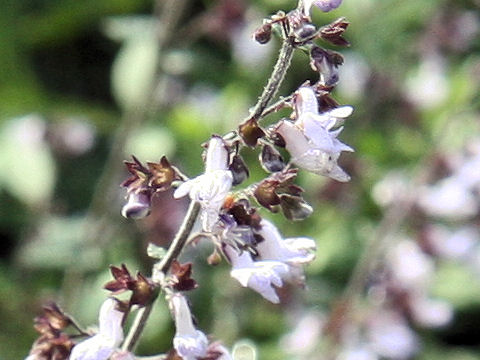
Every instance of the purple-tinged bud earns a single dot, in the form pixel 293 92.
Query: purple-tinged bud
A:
pixel 271 160
pixel 239 170
pixel 263 34
pixel 326 63
pixel 294 207
pixel 138 205
pixel 325 5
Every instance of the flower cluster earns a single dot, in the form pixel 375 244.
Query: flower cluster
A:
pixel 277 260
pixel 312 139
pixel 260 257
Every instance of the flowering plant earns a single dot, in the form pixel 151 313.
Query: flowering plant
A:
pixel 230 210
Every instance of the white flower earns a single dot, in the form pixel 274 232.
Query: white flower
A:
pixel 311 140
pixel 189 342
pixel 293 251
pixel 260 276
pixel 210 188
pixel 106 341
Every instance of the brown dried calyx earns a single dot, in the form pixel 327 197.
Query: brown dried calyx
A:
pixel 157 176
pixel 142 288
pixel 53 343
pixel 279 192
pixel 144 182
pixel 333 32
pixel 250 132
pixel 180 277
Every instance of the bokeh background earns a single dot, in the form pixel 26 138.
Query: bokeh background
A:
pixel 84 84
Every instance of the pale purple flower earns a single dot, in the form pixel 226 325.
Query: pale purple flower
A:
pixel 312 140
pixel 110 334
pixel 210 188
pixel 324 5
pixel 261 276
pixel 189 342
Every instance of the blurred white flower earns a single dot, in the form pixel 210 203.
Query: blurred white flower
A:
pixel 431 313
pixel 311 140
pixel 456 244
pixel 304 337
pixel 74 136
pixel 354 74
pixel 189 342
pixel 429 86
pixel 261 276
pixel 210 188
pixel 448 198
pixel 246 51
pixel 110 334
pixel 411 269
pixel 392 188
pixel 293 251
pixel 390 336
pixel 360 352
pixel 468 174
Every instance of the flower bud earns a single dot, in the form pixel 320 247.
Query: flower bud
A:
pixel 271 160
pixel 138 205
pixel 326 63
pixel 263 34
pixel 217 154
pixel 239 170
pixel 251 132
pixel 294 207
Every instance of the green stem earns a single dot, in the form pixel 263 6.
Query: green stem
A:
pixel 275 80
pixel 172 254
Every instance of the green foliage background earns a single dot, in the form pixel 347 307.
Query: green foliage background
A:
pixel 90 61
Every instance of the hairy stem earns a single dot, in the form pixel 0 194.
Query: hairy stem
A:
pixel 275 80
pixel 173 253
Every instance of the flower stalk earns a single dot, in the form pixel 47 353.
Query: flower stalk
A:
pixel 172 254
